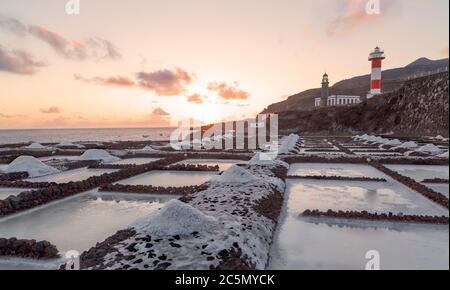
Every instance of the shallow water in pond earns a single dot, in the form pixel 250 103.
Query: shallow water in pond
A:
pixel 79 223
pixel 168 178
pixel 331 169
pixel 222 163
pixel 72 175
pixel 380 197
pixel 441 188
pixel 421 172
pixel 324 243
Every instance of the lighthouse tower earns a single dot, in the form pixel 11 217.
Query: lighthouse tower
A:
pixel 376 57
pixel 325 91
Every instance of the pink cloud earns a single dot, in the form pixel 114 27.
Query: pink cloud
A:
pixel 18 62
pixel 196 98
pixel 51 110
pixel 228 92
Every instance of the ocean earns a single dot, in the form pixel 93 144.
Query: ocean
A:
pixel 76 135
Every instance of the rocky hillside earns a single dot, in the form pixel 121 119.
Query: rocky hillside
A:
pixel 393 79
pixel 418 107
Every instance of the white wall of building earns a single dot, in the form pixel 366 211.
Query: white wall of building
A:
pixel 339 100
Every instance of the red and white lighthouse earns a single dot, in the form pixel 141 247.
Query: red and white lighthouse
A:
pixel 376 57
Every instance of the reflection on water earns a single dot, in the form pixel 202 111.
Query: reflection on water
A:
pixel 168 178
pixel 328 169
pixel 421 172
pixel 332 244
pixel 381 197
pixel 71 175
pixel 81 222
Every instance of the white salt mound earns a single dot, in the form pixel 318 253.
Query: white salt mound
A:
pixel 149 149
pixel 99 155
pixel 393 142
pixel 235 174
pixel 175 218
pixel 429 148
pixel 409 145
pixel 69 144
pixel 288 144
pixel 443 155
pixel 261 158
pixel 33 166
pixel 35 146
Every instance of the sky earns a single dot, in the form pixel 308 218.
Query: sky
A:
pixel 138 63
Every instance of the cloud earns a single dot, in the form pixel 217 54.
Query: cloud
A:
pixel 353 14
pixel 5 116
pixel 165 82
pixel 93 48
pixel 444 52
pixel 196 98
pixel 51 110
pixel 18 62
pixel 160 112
pixel 119 81
pixel 13 25
pixel 228 92
pixel 162 82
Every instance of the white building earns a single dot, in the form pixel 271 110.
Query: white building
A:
pixel 339 100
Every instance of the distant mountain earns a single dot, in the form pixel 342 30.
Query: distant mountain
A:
pixel 359 86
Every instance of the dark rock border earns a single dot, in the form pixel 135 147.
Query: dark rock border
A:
pixel 337 178
pixel 30 249
pixel 436 180
pixel 364 215
pixel 13 176
pixel 149 189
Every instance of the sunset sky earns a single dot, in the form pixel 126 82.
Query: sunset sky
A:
pixel 139 63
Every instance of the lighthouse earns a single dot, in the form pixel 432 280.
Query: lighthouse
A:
pixel 325 91
pixel 376 57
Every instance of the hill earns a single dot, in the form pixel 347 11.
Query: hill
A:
pixel 393 79
pixel 419 107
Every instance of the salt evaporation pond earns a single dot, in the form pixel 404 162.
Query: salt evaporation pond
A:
pixel 331 169
pixel 222 163
pixel 169 178
pixel 381 197
pixel 6 192
pixel 421 172
pixel 135 161
pixel 441 188
pixel 71 175
pixel 323 243
pixel 80 222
